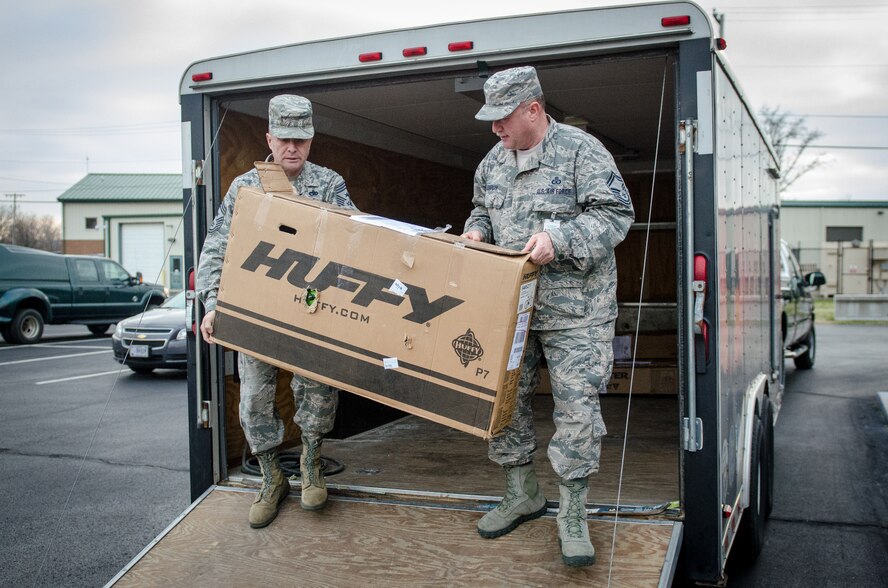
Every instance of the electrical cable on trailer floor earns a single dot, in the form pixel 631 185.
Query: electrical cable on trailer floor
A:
pixel 64 509
pixel 289 464
pixel 647 235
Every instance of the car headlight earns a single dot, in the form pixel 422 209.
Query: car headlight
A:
pixel 118 331
pixel 182 334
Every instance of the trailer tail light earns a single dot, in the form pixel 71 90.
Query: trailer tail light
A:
pixel 190 295
pixel 414 51
pixel 721 44
pixel 701 328
pixel 202 77
pixel 372 56
pixel 675 21
pixel 461 46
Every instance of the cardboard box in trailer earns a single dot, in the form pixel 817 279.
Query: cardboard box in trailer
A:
pixel 394 114
pixel 426 323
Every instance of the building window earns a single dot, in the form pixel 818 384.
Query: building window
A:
pixel 92 222
pixel 844 234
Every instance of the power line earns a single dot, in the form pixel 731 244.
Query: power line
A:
pixel 806 66
pixel 841 115
pixel 862 147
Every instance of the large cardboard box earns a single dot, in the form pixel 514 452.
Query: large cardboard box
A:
pixel 424 322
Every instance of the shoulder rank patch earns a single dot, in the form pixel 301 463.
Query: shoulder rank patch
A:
pixel 618 187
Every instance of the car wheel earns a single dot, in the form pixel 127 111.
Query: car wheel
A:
pixel 142 370
pixel 26 327
pixel 98 329
pixel 805 361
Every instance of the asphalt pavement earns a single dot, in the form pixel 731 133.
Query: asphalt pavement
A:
pixel 94 459
pixel 95 464
pixel 829 526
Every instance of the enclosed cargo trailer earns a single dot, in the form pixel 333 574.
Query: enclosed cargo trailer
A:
pixel 687 462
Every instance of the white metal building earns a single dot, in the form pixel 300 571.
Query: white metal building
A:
pixel 134 219
pixel 846 240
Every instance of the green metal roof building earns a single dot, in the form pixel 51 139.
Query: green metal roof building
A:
pixel 134 219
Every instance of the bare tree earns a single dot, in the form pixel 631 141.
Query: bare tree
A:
pixel 791 137
pixel 29 230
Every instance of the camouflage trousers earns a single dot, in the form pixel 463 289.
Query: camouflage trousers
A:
pixel 262 424
pixel 579 362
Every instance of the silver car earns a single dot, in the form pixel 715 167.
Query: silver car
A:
pixel 155 339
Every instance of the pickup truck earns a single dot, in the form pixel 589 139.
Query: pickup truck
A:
pixel 38 288
pixel 797 320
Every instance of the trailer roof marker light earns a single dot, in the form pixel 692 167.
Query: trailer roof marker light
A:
pixel 202 77
pixel 460 46
pixel 414 51
pixel 372 56
pixel 721 44
pixel 675 21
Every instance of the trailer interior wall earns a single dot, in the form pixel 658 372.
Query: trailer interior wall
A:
pixel 408 148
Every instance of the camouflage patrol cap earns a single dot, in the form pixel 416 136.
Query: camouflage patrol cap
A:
pixel 506 89
pixel 289 117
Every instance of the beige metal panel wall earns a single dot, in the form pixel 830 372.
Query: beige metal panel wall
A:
pixel 806 227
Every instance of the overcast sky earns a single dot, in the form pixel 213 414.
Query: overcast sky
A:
pixel 92 86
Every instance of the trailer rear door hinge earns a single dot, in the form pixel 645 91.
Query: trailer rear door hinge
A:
pixel 692 440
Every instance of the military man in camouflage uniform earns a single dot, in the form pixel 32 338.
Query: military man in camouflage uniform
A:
pixel 554 191
pixel 289 137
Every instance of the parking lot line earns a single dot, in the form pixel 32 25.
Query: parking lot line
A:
pixel 78 377
pixel 54 357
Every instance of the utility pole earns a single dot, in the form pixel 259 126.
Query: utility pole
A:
pixel 720 19
pixel 15 198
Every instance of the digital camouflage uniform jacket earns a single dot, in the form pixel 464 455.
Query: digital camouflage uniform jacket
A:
pixel 575 193
pixel 314 182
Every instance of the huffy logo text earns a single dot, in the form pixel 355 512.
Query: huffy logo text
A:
pixel 367 286
pixel 467 348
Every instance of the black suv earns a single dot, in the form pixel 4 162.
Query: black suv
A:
pixel 799 339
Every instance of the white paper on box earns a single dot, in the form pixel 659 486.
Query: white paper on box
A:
pixel 526 296
pixel 395 225
pixel 390 363
pixel 518 341
pixel 398 288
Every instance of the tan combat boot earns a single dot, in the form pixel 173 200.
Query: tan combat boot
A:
pixel 573 531
pixel 314 489
pixel 523 502
pixel 275 488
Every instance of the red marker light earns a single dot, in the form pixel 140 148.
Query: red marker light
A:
pixel 675 21
pixel 202 77
pixel 374 56
pixel 461 46
pixel 700 267
pixel 721 44
pixel 414 51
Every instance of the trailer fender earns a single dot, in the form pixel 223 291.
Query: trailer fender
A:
pixel 751 403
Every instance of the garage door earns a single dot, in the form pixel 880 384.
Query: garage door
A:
pixel 141 246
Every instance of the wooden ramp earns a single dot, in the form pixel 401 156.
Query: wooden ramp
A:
pixel 358 543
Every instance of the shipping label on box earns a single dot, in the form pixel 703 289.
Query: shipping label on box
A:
pixel 421 322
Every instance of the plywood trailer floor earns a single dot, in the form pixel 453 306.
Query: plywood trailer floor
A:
pixel 404 509
pixel 416 455
pixel 371 543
